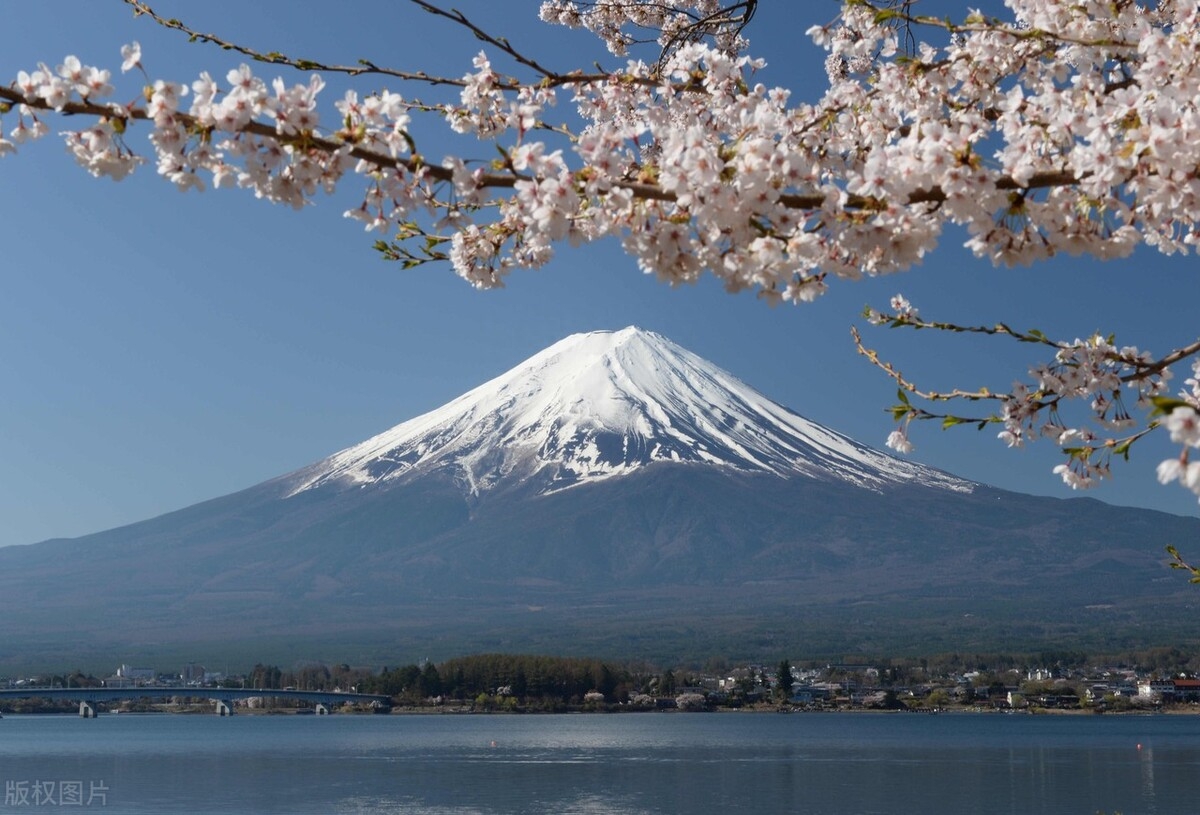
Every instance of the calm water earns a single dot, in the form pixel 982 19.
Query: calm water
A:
pixel 628 764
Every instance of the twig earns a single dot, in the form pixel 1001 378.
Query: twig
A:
pixel 365 67
pixel 931 396
pixel 500 42
pixel 275 58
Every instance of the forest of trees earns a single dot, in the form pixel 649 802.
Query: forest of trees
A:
pixel 507 680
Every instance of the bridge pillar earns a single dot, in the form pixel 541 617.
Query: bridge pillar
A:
pixel 86 711
pixel 223 708
pixel 321 709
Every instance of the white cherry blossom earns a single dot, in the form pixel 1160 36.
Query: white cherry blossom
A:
pixel 131 56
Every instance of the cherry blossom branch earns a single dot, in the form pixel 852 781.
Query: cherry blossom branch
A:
pixel 275 58
pixel 725 19
pixel 1170 359
pixel 306 139
pixel 908 387
pixel 1092 369
pixel 798 201
pixel 672 24
pixel 1177 562
pixel 976 23
pixel 500 42
pixel 1141 368
pixel 855 199
pixel 364 66
pixel 310 141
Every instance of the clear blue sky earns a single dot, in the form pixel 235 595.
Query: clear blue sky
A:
pixel 158 349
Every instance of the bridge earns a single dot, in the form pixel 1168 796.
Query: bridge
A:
pixel 222 697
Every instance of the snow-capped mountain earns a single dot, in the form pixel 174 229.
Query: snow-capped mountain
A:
pixel 612 495
pixel 604 404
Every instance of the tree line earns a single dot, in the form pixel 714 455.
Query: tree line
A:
pixel 509 680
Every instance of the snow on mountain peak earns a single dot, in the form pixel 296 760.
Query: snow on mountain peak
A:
pixel 602 404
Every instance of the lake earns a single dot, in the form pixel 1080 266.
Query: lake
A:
pixel 630 764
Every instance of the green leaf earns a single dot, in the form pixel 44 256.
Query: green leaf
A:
pixel 884 14
pixel 1165 404
pixel 950 421
pixel 902 396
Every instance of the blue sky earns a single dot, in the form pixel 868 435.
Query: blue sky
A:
pixel 158 349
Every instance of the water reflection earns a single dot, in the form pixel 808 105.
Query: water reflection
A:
pixel 648 764
pixel 1145 754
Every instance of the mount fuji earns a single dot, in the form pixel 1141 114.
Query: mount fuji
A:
pixel 614 495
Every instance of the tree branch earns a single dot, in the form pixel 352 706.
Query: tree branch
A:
pixel 931 396
pixel 367 67
pixel 500 42
pixel 892 12
pixel 275 58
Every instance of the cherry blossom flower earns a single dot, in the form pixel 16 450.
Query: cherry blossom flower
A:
pixel 1183 423
pixel 898 441
pixel 131 56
